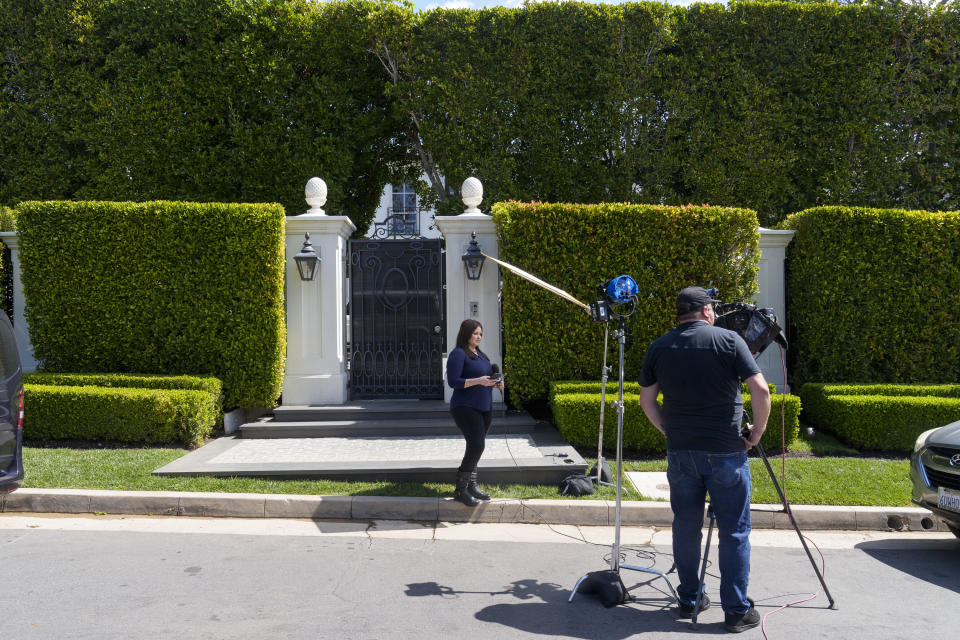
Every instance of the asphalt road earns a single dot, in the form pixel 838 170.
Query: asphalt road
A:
pixel 114 577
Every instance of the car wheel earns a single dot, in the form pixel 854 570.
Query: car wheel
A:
pixel 954 529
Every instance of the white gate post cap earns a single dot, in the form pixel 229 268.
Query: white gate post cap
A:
pixel 315 194
pixel 472 193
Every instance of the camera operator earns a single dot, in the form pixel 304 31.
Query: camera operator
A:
pixel 699 368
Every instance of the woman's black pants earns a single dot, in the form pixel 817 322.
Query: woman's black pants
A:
pixel 473 424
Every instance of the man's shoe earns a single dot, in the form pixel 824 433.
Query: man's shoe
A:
pixel 686 610
pixel 738 622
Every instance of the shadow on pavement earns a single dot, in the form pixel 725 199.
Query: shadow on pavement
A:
pixel 935 561
pixel 546 611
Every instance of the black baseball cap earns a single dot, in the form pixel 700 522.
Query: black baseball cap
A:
pixel 693 299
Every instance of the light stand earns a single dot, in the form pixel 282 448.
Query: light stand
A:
pixel 603 403
pixel 603 581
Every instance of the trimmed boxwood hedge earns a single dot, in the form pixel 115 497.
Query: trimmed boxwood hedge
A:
pixel 814 390
pixel 158 287
pixel 118 414
pixel 887 423
pixel 588 386
pixel 874 295
pixel 209 384
pixel 577 247
pixel 577 417
pixel 882 417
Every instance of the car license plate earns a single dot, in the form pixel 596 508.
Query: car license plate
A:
pixel 949 499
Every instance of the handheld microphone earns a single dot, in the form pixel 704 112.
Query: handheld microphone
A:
pixel 495 372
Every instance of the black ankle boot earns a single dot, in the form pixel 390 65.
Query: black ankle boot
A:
pixel 462 492
pixel 474 490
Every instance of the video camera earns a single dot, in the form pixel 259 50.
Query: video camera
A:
pixel 615 298
pixel 758 327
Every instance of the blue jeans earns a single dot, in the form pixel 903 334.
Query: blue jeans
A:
pixel 726 476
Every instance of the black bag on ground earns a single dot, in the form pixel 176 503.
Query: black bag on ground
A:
pixel 607 586
pixel 605 474
pixel 576 484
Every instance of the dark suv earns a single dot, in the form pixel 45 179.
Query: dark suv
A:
pixel 11 409
pixel 935 471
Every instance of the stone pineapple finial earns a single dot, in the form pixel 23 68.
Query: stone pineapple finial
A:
pixel 315 194
pixel 472 193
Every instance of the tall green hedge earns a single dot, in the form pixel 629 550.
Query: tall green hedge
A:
pixel 874 295
pixel 202 100
pixel 577 247
pixel 158 287
pixel 775 106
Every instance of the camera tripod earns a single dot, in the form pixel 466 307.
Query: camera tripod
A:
pixel 604 577
pixel 786 509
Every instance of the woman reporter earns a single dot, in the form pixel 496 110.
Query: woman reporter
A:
pixel 469 375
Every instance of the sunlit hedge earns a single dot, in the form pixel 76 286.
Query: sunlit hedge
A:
pixel 577 247
pixel 775 106
pixel 158 287
pixel 874 296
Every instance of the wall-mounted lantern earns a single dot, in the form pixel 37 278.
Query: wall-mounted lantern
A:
pixel 308 260
pixel 473 258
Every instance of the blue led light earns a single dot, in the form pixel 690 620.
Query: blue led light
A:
pixel 622 289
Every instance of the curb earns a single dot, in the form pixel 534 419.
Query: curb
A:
pixel 571 512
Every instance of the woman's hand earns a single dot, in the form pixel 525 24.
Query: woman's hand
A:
pixel 490 381
pixel 484 381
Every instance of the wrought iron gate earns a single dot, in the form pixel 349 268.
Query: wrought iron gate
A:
pixel 6 282
pixel 396 317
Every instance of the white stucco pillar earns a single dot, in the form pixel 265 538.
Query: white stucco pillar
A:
pixel 20 328
pixel 477 299
pixel 316 310
pixel 771 280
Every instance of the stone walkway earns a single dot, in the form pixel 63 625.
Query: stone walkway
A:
pixel 372 449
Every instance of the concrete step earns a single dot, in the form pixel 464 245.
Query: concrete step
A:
pixel 377 425
pixel 371 410
pixel 539 456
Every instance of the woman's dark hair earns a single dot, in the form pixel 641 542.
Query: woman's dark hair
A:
pixel 467 327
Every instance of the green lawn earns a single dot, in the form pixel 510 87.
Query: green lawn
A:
pixel 809 480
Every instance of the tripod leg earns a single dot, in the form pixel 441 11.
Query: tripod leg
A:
pixel 703 568
pixel 786 510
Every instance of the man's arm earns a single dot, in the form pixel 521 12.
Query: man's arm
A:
pixel 648 401
pixel 760 401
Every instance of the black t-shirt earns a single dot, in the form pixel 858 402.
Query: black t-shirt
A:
pixel 699 368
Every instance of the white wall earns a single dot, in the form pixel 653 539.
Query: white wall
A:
pixel 772 293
